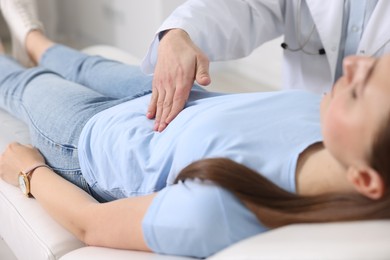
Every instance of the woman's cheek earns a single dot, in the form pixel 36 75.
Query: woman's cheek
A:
pixel 324 106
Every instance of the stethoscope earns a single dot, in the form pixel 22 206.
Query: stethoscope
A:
pixel 302 44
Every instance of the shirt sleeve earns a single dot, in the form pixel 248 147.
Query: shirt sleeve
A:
pixel 197 219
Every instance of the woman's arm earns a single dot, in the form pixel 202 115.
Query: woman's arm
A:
pixel 116 224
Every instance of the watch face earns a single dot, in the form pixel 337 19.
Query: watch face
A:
pixel 22 184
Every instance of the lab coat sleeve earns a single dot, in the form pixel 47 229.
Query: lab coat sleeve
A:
pixel 223 29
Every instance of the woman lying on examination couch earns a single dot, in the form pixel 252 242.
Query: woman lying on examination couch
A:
pixel 228 167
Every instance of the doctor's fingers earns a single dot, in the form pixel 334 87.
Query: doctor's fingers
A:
pixel 202 70
pixel 157 91
pixel 151 113
pixel 176 97
pixel 179 100
pixel 159 104
pixel 174 102
pixel 164 107
pixel 183 86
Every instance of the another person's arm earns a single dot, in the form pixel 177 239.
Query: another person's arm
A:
pixel 116 224
pixel 215 30
pixel 179 63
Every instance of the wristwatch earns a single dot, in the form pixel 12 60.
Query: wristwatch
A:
pixel 24 184
pixel 25 177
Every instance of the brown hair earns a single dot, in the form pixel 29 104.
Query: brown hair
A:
pixel 275 207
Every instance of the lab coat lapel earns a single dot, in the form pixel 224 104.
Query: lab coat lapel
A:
pixel 328 18
pixel 377 32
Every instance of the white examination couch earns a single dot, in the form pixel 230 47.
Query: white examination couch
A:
pixel 32 235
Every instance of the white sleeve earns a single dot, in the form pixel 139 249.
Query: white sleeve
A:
pixel 223 29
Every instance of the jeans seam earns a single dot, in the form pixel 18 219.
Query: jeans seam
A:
pixel 42 134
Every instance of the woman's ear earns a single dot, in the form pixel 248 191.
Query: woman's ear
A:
pixel 366 181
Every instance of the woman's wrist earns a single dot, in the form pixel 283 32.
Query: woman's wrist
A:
pixel 25 178
pixel 31 169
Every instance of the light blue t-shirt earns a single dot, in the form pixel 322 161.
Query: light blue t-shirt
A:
pixel 121 154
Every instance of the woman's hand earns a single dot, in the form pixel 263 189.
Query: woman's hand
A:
pixel 179 63
pixel 17 158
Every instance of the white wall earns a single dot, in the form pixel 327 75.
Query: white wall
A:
pixel 47 10
pixel 129 25
pixel 263 66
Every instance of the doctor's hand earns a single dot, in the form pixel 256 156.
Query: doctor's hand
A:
pixel 179 63
pixel 17 158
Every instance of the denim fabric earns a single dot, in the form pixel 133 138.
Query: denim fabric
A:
pixel 58 97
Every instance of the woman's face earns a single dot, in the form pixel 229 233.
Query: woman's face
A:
pixel 353 113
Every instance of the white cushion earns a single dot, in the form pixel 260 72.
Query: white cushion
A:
pixel 99 253
pixel 360 240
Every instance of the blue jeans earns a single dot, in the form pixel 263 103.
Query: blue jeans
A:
pixel 59 96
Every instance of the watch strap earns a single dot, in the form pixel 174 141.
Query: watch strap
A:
pixel 33 168
pixel 27 177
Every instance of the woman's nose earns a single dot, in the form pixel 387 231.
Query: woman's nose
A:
pixel 356 68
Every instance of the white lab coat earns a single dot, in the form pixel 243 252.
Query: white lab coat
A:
pixel 230 29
